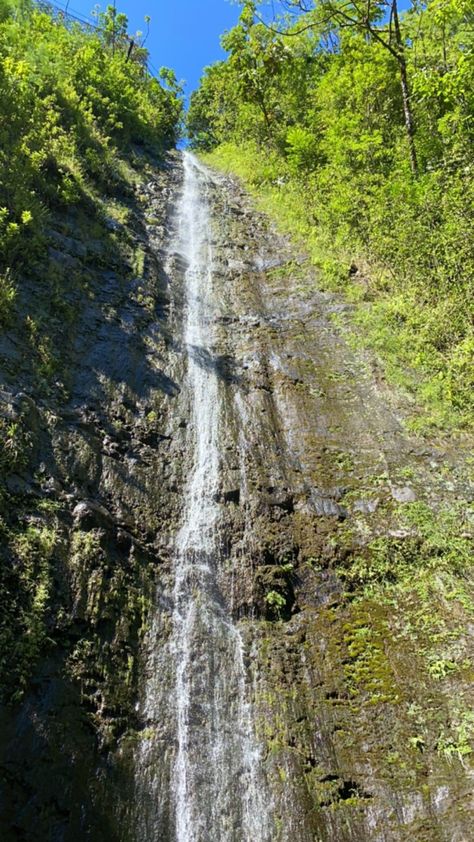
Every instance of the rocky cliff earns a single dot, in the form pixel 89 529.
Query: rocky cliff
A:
pixel 344 541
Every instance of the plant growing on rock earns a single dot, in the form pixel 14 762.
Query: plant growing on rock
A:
pixel 276 602
pixel 317 113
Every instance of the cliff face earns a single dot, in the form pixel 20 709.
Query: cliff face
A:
pixel 343 545
pixel 89 408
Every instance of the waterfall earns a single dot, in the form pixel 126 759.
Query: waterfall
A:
pixel 217 792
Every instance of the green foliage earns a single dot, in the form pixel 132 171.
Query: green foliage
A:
pixel 302 149
pixel 314 122
pixel 15 444
pixel 459 744
pixel 70 101
pixel 25 591
pixel 7 298
pixel 275 599
pixel 276 604
pixel 117 595
pixel 432 541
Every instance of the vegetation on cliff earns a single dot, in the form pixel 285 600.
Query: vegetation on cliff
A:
pixel 73 99
pixel 356 131
pixel 80 114
pixel 345 544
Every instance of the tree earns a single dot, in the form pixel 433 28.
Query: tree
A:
pixel 257 57
pixel 379 20
pixel 113 26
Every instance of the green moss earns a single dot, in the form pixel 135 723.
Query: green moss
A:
pixel 367 669
pixel 26 584
pixel 459 743
pixel 115 602
pixel 139 262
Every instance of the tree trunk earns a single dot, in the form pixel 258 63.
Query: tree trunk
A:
pixel 409 124
pixel 402 65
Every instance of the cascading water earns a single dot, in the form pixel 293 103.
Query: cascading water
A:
pixel 216 787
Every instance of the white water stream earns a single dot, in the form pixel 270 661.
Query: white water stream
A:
pixel 216 787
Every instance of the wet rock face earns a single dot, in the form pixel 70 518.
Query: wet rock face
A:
pixel 345 540
pixel 91 463
pixel 339 529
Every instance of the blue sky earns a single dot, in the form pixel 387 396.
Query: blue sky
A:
pixel 184 34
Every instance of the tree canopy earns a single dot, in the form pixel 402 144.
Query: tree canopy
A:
pixel 361 120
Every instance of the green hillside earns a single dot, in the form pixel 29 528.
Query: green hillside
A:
pixel 356 132
pixel 74 101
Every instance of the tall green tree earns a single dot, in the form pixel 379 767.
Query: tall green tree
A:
pixel 379 20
